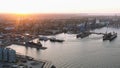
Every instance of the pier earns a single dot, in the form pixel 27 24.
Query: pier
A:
pixel 87 33
pixel 97 33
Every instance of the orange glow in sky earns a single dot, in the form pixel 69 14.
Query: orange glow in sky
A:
pixel 59 6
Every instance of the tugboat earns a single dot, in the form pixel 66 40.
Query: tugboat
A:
pixel 83 34
pixel 110 36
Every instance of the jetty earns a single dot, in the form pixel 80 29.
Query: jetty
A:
pixel 97 33
pixel 87 33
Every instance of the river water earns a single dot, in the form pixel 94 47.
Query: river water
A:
pixel 90 52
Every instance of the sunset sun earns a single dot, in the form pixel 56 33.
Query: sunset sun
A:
pixel 21 11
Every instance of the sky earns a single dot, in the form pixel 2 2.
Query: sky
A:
pixel 59 6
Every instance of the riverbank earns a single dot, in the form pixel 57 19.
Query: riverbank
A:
pixel 30 62
pixel 89 52
pixel 11 59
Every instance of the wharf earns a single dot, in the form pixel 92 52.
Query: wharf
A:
pixel 97 33
pixel 87 33
pixel 20 39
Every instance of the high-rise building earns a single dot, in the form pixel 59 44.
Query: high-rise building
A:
pixel 1 53
pixel 5 54
pixel 12 55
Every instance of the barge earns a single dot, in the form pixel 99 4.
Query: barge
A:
pixel 110 36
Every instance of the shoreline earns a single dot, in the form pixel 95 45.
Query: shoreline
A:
pixel 24 61
pixel 42 63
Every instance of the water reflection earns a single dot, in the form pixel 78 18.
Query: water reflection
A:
pixel 90 52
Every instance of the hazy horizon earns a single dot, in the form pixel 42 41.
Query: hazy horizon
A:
pixel 59 6
pixel 84 14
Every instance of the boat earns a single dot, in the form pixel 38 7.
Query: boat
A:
pixel 83 34
pixel 35 45
pixel 107 36
pixel 110 36
pixel 56 40
pixel 113 36
pixel 43 38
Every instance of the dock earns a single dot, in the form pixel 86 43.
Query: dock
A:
pixel 97 33
pixel 87 33
pixel 21 39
